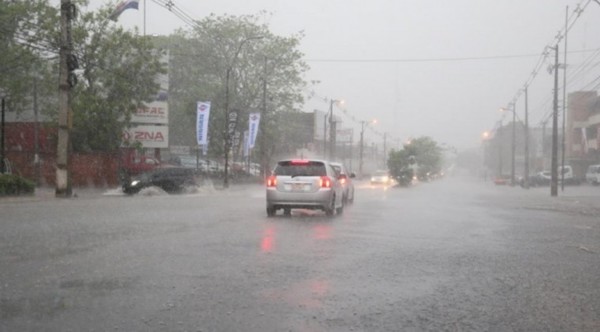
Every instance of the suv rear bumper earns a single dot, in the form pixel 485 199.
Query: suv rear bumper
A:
pixel 317 200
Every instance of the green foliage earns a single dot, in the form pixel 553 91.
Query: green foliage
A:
pixel 422 156
pixel 245 48
pixel 26 51
pixel 118 72
pixel 11 184
pixel 117 69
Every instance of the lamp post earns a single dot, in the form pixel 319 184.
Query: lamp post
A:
pixel 362 133
pixel 227 144
pixel 485 136
pixel 332 128
pixel 511 108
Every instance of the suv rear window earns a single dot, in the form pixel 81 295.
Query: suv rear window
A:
pixel 309 168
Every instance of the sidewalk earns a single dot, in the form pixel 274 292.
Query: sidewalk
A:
pixel 575 199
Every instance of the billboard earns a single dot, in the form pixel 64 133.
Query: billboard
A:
pixel 149 136
pixel 156 112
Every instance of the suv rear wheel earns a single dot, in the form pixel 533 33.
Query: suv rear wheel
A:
pixel 270 212
pixel 331 208
pixel 340 210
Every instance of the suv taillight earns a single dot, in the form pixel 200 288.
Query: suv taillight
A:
pixel 325 182
pixel 271 181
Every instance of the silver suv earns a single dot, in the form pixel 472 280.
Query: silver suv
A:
pixel 305 184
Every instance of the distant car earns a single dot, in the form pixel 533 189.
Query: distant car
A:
pixel 346 178
pixel 502 180
pixel 568 175
pixel 539 179
pixel 381 177
pixel 592 175
pixel 170 179
pixel 307 184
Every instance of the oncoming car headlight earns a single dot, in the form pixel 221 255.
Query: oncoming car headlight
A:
pixel 135 182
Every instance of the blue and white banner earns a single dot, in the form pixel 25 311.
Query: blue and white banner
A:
pixel 246 152
pixel 202 115
pixel 253 123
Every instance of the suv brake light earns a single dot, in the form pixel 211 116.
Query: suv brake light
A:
pixel 325 182
pixel 271 181
pixel 300 161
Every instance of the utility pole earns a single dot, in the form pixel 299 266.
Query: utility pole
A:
pixel 331 132
pixel 360 163
pixel 227 145
pixel 564 110
pixel 513 146
pixel 384 150
pixel 526 175
pixel 36 130
pixel 3 128
pixel 263 117
pixel 67 63
pixel 554 164
pixel 325 136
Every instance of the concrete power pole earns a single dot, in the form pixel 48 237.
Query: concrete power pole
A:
pixel 554 163
pixel 67 63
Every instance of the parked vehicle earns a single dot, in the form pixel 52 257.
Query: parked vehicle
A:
pixel 542 178
pixel 6 167
pixel 346 178
pixel 592 175
pixel 306 184
pixel 567 174
pixel 170 179
pixel 502 180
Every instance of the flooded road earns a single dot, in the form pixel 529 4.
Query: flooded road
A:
pixel 450 255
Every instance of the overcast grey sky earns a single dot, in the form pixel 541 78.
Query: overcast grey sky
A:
pixel 440 68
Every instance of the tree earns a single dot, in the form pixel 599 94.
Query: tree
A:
pixel 27 54
pixel 243 52
pixel 421 156
pixel 118 72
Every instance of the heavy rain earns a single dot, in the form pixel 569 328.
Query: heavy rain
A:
pixel 270 165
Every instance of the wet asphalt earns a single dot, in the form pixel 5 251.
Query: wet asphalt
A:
pixel 457 254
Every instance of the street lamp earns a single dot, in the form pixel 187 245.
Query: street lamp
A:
pixel 332 127
pixel 513 143
pixel 362 132
pixel 485 137
pixel 227 145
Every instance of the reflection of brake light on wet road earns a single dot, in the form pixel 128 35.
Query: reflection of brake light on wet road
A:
pixel 266 244
pixel 322 232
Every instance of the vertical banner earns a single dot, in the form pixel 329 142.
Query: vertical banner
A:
pixel 253 123
pixel 584 139
pixel 246 142
pixel 202 115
